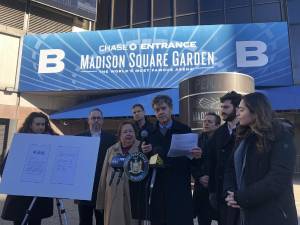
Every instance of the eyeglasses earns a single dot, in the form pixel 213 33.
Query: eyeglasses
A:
pixel 127 132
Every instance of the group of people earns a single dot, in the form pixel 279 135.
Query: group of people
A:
pixel 242 169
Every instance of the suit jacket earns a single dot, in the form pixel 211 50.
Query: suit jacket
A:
pixel 200 194
pixel 220 148
pixel 107 140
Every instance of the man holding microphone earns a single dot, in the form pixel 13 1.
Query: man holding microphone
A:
pixel 171 198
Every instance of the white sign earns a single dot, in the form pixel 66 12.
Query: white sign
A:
pixel 51 166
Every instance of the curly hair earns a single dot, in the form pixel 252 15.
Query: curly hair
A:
pixel 233 96
pixel 26 127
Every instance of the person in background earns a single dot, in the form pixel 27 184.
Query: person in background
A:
pixel 114 199
pixel 202 209
pixel 259 176
pixel 220 148
pixel 15 207
pixel 87 209
pixel 171 200
pixel 140 121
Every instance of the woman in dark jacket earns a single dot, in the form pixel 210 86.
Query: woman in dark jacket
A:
pixel 259 176
pixel 15 206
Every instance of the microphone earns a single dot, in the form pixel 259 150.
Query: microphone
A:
pixel 154 162
pixel 117 163
pixel 145 136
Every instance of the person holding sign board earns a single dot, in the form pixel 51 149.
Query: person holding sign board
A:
pixel 15 207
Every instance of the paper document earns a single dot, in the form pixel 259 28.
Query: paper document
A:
pixel 51 166
pixel 182 144
pixel 65 166
pixel 36 162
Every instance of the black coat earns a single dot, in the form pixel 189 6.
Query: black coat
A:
pixel 148 126
pixel 15 207
pixel 107 140
pixel 221 146
pixel 171 198
pixel 200 196
pixel 267 195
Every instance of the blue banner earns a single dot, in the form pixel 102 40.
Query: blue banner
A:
pixel 154 57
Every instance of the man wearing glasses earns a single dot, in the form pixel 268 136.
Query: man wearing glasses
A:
pixel 87 209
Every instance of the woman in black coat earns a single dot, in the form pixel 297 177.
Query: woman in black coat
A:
pixel 259 177
pixel 15 207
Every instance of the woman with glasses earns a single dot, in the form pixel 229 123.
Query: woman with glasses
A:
pixel 15 207
pixel 114 199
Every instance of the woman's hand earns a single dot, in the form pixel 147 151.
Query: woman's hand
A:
pixel 146 148
pixel 230 200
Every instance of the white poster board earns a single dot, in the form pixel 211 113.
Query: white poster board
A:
pixel 51 166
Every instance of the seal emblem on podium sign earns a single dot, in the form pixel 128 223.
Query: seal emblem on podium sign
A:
pixel 136 166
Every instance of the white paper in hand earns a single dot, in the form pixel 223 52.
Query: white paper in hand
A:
pixel 182 145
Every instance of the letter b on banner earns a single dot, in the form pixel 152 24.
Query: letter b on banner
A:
pixel 51 61
pixel 251 54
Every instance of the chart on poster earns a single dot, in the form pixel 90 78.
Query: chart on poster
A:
pixel 50 166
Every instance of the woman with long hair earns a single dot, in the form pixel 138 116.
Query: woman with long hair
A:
pixel 259 177
pixel 15 207
pixel 114 198
pixel 38 123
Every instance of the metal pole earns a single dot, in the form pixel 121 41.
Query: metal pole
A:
pixel 61 212
pixel 28 211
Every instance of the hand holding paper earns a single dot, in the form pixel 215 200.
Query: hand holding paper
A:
pixel 185 145
pixel 196 153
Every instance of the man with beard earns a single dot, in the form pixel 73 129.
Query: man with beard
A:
pixel 87 209
pixel 220 148
pixel 202 209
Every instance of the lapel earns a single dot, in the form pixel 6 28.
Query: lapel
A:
pixel 102 140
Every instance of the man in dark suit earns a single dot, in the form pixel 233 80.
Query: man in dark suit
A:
pixel 171 202
pixel 202 209
pixel 87 208
pixel 220 148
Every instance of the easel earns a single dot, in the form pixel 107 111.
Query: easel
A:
pixel 60 208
